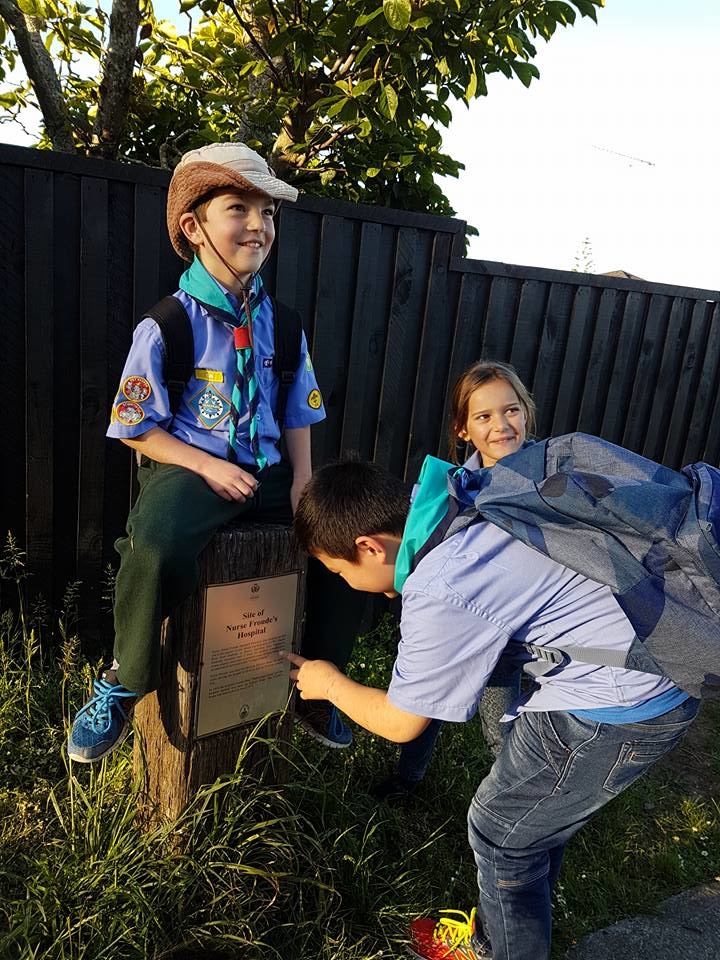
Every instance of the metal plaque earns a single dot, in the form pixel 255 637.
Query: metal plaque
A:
pixel 245 626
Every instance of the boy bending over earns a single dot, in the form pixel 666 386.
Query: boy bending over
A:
pixel 582 735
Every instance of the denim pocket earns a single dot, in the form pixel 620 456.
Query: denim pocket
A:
pixel 634 758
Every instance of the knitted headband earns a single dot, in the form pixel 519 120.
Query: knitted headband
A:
pixel 210 168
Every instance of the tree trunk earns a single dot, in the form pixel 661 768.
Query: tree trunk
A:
pixel 172 759
pixel 117 73
pixel 41 71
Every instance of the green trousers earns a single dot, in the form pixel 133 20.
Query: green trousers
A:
pixel 173 519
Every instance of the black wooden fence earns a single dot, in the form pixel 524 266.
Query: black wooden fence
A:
pixel 393 313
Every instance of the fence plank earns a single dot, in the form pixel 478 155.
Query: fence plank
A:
pixel 121 296
pixel 681 409
pixel 94 385
pixel 467 337
pixel 427 425
pixel 545 384
pixel 617 405
pixel 297 263
pixel 646 370
pixel 579 340
pixel 703 433
pixel 12 399
pixel 665 391
pixel 149 237
pixel 333 320
pixel 528 328
pixel 409 293
pixel 39 376
pixel 501 317
pixel 67 369
pixel 600 361
pixel 368 334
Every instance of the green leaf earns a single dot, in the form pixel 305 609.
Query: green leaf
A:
pixel 526 72
pixel 397 13
pixel 471 88
pixel 388 102
pixel 420 23
pixel 372 172
pixel 368 17
pixel 336 107
pixel 362 87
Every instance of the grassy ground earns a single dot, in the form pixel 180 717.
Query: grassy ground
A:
pixel 312 870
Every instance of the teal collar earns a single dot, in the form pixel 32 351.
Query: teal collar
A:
pixel 202 286
pixel 429 506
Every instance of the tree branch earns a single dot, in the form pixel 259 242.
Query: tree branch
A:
pixel 255 42
pixel 117 70
pixel 43 76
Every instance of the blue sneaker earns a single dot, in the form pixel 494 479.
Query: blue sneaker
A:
pixel 104 722
pixel 321 720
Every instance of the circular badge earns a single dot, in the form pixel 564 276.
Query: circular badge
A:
pixel 129 413
pixel 211 406
pixel 137 389
pixel 314 400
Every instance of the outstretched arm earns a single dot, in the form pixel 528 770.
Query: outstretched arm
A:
pixel 368 706
pixel 227 479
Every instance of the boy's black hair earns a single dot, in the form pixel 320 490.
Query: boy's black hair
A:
pixel 349 499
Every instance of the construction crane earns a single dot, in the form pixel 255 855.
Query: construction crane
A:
pixel 625 156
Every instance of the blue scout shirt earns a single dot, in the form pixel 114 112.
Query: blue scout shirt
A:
pixel 481 588
pixel 203 417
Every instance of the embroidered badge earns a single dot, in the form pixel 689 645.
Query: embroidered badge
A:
pixel 137 389
pixel 129 413
pixel 314 400
pixel 267 361
pixel 210 407
pixel 214 376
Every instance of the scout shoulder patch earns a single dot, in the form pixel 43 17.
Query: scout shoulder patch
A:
pixel 128 413
pixel 314 400
pixel 136 388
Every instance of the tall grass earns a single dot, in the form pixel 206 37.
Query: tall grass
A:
pixel 312 869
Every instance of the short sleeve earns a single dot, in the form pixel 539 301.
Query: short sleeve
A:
pixel 141 401
pixel 304 402
pixel 446 654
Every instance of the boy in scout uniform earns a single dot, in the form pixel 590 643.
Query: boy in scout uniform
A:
pixel 216 458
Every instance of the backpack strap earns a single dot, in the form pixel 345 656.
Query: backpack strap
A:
pixel 551 657
pixel 171 316
pixel 287 330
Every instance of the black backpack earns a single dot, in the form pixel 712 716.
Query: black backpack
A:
pixel 174 323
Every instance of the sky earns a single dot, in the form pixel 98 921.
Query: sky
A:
pixel 617 143
pixel 551 165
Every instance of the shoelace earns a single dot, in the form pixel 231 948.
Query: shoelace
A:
pixel 97 712
pixel 455 933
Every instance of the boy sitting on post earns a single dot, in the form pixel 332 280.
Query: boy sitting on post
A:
pixel 581 735
pixel 217 457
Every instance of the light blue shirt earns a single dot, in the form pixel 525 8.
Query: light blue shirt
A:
pixel 204 415
pixel 480 589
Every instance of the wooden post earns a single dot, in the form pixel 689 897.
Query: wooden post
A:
pixel 173 762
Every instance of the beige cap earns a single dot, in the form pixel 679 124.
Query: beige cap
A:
pixel 209 168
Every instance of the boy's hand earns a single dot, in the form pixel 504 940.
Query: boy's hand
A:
pixel 228 480
pixel 314 679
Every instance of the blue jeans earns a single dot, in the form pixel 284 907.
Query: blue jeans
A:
pixel 554 772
